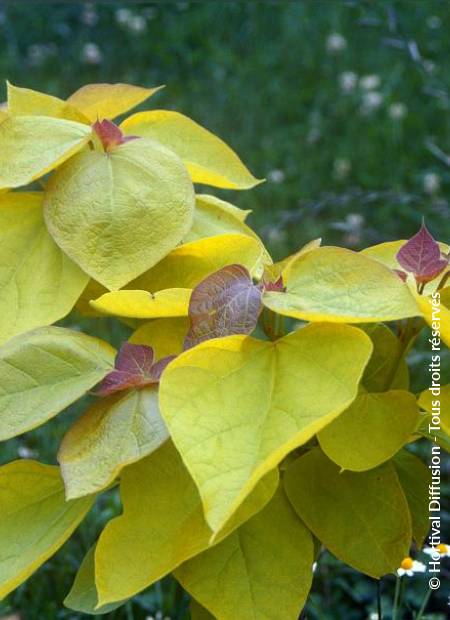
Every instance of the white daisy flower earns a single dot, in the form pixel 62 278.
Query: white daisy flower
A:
pixel 348 81
pixel 410 567
pixel 431 182
pixel 370 82
pixel 443 550
pixel 336 43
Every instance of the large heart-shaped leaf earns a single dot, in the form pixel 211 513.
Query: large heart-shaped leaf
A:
pixel 208 159
pixel 236 406
pixel 31 146
pixel 36 520
pixel 263 569
pixel 162 525
pixel 42 372
pixel 335 505
pixel 116 214
pixel 38 283
pixel 415 478
pixel 112 433
pixel 334 284
pixel 27 102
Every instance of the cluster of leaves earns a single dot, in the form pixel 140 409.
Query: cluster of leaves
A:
pixel 237 456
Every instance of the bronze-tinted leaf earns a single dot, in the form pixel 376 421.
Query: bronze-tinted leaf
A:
pixel 421 255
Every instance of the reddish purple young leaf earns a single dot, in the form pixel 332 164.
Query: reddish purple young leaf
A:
pixel 401 274
pixel 421 255
pixel 225 303
pixel 276 286
pixel 110 135
pixel 134 367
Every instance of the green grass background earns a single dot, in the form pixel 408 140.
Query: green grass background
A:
pixel 342 106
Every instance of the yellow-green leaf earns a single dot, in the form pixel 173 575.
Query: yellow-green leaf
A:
pixel 438 405
pixel 414 478
pixel 384 371
pixel 208 159
pixel 198 612
pixel 83 593
pixel 99 101
pixel 144 203
pixel 38 283
pixel 42 372
pixel 236 406
pixel 31 146
pixel 162 525
pixel 371 430
pixel 165 336
pixel 36 520
pixel 362 518
pixel 112 433
pixel 335 284
pixel 27 102
pixel 263 570
pixel 172 302
pixel 216 217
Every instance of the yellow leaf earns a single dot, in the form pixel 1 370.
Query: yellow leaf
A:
pixel 38 283
pixel 376 426
pixel 438 405
pixel 83 593
pixel 335 505
pixel 112 433
pixel 334 284
pixel 99 101
pixel 273 272
pixel 172 302
pixel 144 203
pixel 36 520
pixel 208 159
pixel 165 336
pixel 436 314
pixel 384 370
pixel 26 102
pixel 162 525
pixel 236 406
pixel 216 217
pixel 263 569
pixel 190 263
pixel 31 146
pixel 198 612
pixel 42 372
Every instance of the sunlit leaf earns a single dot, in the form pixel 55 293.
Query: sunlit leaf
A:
pixel 112 433
pixel 42 372
pixel 31 146
pixel 38 283
pixel 36 519
pixel 335 284
pixel 335 505
pixel 99 101
pixel 236 406
pixel 264 569
pixel 144 203
pixel 198 612
pixel 172 302
pixel 208 159
pixel 376 426
pixel 414 478
pixel 162 525
pixel 165 336
pixel 384 370
pixel 224 303
pixel 27 102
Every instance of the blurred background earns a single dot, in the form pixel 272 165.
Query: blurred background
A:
pixel 342 105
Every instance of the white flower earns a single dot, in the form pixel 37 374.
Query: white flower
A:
pixel 429 66
pixel 341 168
pixel 89 15
pixel 314 567
pixel 348 81
pixel 122 16
pixel 276 176
pixel 431 182
pixel 434 22
pixel 410 567
pixel 91 54
pixel 371 101
pixel 336 43
pixel 26 453
pixel 137 24
pixel 397 111
pixel 442 550
pixel 370 82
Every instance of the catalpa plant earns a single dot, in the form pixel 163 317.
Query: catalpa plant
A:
pixel 239 440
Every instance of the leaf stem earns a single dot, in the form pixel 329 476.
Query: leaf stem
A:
pixel 396 599
pixel 424 604
pixel 380 612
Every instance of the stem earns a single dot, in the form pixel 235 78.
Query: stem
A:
pixel 442 283
pixel 424 604
pixel 380 613
pixel 396 599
